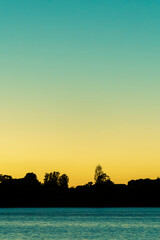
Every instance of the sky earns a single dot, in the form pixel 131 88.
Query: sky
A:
pixel 79 86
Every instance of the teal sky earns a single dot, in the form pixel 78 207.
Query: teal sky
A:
pixel 79 69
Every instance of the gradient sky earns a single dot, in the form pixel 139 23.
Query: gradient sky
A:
pixel 80 86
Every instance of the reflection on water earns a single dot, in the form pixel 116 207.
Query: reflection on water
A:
pixel 80 223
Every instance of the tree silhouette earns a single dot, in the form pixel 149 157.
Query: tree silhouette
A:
pixel 29 192
pixel 51 178
pixel 99 176
pixel 31 178
pixel 63 181
pixel 4 178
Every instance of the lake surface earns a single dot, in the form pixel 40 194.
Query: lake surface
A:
pixel 80 223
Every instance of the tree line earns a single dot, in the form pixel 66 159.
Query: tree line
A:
pixel 55 192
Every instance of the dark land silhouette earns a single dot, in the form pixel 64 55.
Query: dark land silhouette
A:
pixel 54 192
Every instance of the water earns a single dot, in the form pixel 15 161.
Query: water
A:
pixel 80 223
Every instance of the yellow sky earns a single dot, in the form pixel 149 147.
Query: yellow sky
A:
pixel 125 152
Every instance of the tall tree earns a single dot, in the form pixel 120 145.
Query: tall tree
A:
pixel 51 178
pixel 63 181
pixel 99 176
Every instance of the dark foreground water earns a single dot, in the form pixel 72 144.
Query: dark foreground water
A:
pixel 80 223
